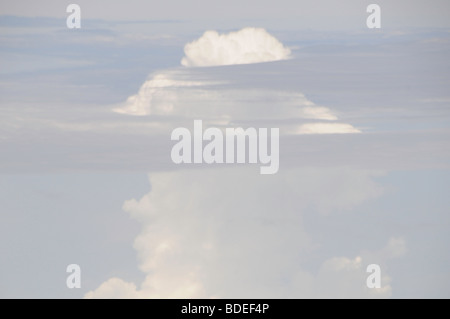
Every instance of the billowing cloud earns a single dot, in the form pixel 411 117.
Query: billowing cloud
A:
pixel 115 288
pixel 226 233
pixel 249 45
pixel 158 95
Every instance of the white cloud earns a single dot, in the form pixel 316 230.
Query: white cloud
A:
pixel 318 113
pixel 157 95
pixel 185 94
pixel 179 96
pixel 170 93
pixel 114 288
pixel 226 233
pixel 326 128
pixel 249 45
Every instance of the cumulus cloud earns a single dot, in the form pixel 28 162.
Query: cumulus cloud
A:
pixel 249 45
pixel 115 288
pixel 225 233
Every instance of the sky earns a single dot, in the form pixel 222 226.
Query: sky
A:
pixel 86 175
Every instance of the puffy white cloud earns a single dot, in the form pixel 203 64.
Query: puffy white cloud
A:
pixel 114 288
pixel 158 95
pixel 249 45
pixel 226 233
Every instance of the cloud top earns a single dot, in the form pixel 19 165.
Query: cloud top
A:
pixel 248 45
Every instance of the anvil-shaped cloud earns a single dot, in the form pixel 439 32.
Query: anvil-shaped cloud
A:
pixel 204 93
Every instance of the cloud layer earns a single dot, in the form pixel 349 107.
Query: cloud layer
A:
pixel 249 45
pixel 181 95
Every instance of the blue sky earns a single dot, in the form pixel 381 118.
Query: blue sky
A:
pixel 81 183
